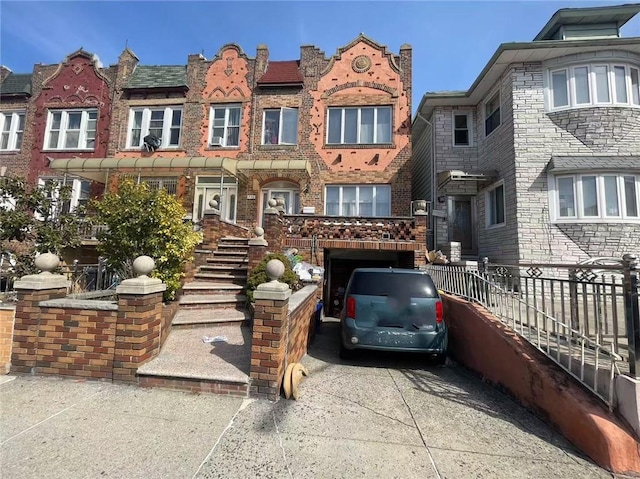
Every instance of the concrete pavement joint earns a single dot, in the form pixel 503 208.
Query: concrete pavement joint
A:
pixel 243 405
pixel 284 454
pixel 433 463
pixel 49 418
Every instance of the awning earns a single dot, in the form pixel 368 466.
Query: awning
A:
pixel 559 164
pixel 445 177
pixel 97 169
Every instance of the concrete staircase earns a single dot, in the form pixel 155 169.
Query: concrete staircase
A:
pixel 212 305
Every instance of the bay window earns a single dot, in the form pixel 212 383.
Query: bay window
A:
pixel 594 84
pixel 597 196
pixel 358 200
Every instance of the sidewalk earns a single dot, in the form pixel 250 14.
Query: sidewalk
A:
pixel 382 416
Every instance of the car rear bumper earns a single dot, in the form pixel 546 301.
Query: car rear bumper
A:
pixel 393 339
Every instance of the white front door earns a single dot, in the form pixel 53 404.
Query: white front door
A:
pixel 207 190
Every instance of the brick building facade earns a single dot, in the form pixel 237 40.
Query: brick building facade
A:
pixel 540 159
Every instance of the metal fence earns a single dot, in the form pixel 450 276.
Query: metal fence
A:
pixel 82 277
pixel 584 317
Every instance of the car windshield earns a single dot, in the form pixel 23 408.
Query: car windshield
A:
pixel 377 283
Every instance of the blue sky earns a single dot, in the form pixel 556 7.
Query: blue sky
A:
pixel 452 40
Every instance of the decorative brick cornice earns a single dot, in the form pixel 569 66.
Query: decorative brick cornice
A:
pixel 359 83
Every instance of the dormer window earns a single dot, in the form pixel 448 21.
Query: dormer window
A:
pixel 594 84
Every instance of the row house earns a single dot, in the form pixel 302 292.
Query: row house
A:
pixel 329 136
pixel 540 159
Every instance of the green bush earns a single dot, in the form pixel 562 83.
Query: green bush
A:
pixel 259 274
pixel 144 221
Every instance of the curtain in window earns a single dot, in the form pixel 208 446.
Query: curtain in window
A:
pixel 349 205
pixel 366 125
pixel 365 202
pixel 383 201
pixel 383 133
pixel 333 201
pixel 74 120
pixel 350 126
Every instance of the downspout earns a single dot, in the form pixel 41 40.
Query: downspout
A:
pixel 433 175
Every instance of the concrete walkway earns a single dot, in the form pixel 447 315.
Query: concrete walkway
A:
pixel 381 416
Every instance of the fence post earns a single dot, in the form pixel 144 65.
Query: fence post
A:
pixel 485 277
pixel 100 274
pixel 573 300
pixel 631 311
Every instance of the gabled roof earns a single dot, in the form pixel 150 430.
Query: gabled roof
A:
pixel 16 85
pixel 158 76
pixel 618 14
pixel 282 73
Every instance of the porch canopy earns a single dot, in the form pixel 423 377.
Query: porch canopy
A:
pixel 446 177
pixel 97 169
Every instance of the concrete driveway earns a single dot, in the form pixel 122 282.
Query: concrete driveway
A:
pixel 380 416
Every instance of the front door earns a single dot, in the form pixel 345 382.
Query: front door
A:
pixel 462 221
pixel 208 188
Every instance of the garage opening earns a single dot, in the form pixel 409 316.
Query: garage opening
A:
pixel 340 263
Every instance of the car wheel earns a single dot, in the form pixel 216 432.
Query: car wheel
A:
pixel 441 359
pixel 347 353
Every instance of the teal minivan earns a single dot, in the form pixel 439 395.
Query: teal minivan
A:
pixel 392 309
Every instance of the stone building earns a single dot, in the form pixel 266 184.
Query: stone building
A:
pixel 540 159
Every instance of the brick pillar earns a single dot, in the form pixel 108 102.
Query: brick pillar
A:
pixel 31 290
pixel 138 328
pixel 6 337
pixel 273 225
pixel 211 230
pixel 419 255
pixel 257 249
pixel 268 347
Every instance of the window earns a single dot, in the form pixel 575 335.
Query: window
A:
pixel 225 126
pixel 358 200
pixel 363 125
pixel 80 194
pixel 280 126
pixel 11 130
pixel 494 201
pixel 462 129
pixel 597 196
pixel 492 114
pixel 163 123
pixel 71 130
pixel 594 84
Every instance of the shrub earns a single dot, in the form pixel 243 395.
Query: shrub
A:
pixel 259 274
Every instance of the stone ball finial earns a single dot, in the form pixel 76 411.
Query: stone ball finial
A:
pixel 143 265
pixel 272 203
pixel 258 231
pixel 213 204
pixel 275 269
pixel 47 262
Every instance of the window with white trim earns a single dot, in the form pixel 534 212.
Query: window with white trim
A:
pixel 164 123
pixel 71 129
pixel 80 193
pixel 224 125
pixel 359 125
pixel 601 196
pixel 358 200
pixel 492 117
pixel 462 128
pixel 280 126
pixel 594 84
pixel 494 203
pixel 11 130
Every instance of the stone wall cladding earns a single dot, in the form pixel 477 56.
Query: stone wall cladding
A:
pixel 583 132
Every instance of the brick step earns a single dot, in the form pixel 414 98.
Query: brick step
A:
pixel 212 300
pixel 227 260
pixel 233 248
pixel 187 363
pixel 231 254
pixel 220 267
pixel 221 277
pixel 210 287
pixel 230 240
pixel 206 317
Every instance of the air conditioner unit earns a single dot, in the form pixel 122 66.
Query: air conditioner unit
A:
pixel 216 141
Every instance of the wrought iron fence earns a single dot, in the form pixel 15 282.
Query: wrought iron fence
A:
pixel 584 317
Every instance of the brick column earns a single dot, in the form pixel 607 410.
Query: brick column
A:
pixel 273 224
pixel 419 256
pixel 211 230
pixel 257 249
pixel 33 289
pixel 269 344
pixel 138 328
pixel 7 313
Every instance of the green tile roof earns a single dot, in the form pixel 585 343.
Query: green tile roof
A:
pixel 16 84
pixel 158 76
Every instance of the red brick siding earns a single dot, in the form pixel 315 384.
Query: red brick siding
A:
pixel 302 328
